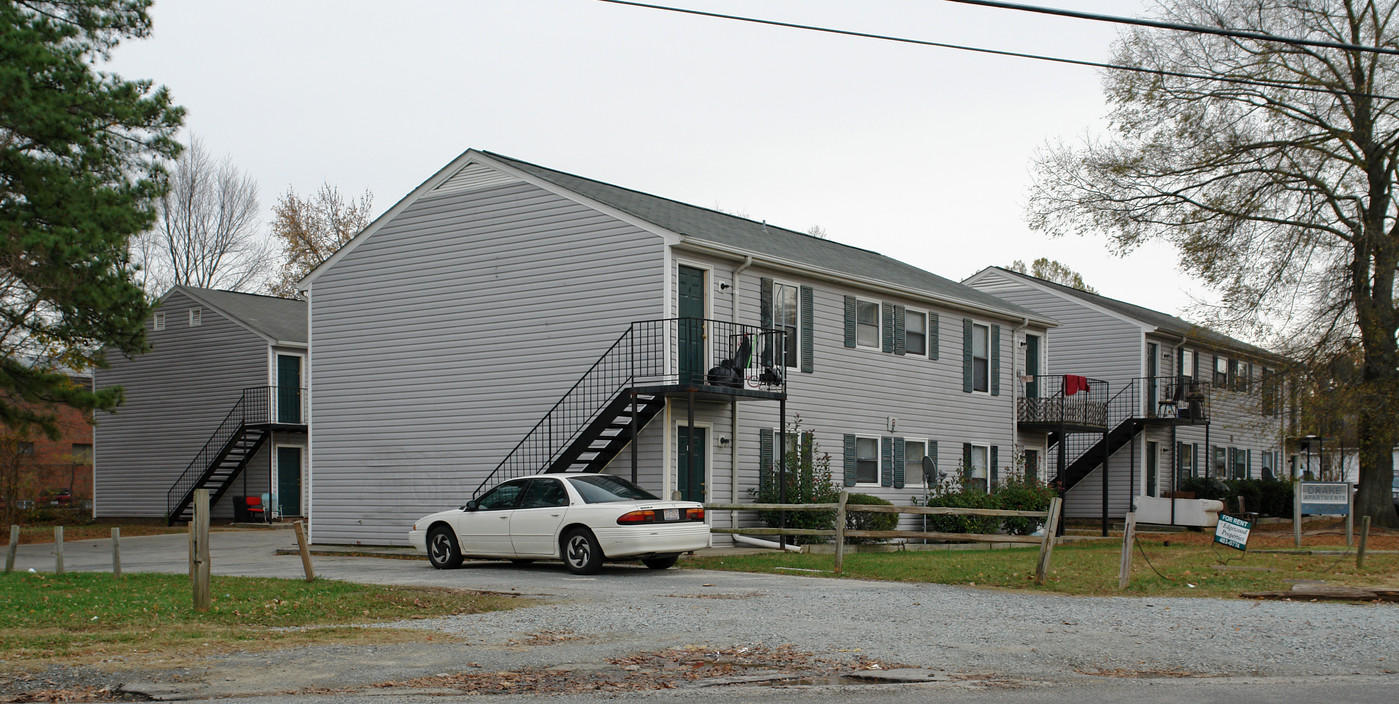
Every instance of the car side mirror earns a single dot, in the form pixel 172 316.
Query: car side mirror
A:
pixel 471 505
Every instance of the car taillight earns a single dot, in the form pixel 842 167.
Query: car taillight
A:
pixel 694 514
pixel 635 517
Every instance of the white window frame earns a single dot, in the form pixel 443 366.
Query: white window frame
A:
pixel 1186 469
pixel 796 352
pixel 878 324
pixel 878 460
pixel 909 312
pixel 196 317
pixel 986 470
pixel 987 328
pixel 1187 363
pixel 916 467
pixel 1221 369
pixel 159 321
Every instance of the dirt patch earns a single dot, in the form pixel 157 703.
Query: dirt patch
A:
pixel 666 669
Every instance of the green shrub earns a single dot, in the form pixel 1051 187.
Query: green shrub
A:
pixel 1266 498
pixel 1274 499
pixel 808 482
pixel 1022 495
pixel 865 520
pixel 952 494
pixel 1205 488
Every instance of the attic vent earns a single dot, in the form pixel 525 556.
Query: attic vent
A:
pixel 473 177
pixel 160 320
pixel 195 317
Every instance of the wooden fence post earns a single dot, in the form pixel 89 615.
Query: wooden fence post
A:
pixel 840 532
pixel 1129 532
pixel 1051 527
pixel 1297 512
pixel 305 550
pixel 116 552
pixel 1364 538
pixel 14 549
pixel 58 550
pixel 201 549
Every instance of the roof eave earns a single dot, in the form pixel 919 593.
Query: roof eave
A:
pixel 832 275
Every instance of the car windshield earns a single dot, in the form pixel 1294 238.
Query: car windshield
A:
pixel 604 488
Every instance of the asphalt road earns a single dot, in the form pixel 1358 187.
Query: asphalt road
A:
pixel 985 645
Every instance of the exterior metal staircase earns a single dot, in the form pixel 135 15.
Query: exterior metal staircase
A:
pixel 238 438
pixel 624 390
pixel 1145 401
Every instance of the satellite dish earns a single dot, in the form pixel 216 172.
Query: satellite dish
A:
pixel 930 471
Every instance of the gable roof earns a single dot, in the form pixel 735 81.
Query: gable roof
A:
pixel 707 228
pixel 279 320
pixel 1161 322
pixel 760 238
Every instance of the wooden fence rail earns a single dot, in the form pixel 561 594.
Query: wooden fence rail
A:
pixel 1046 543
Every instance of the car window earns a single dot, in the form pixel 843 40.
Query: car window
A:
pixel 503 496
pixel 544 493
pixel 604 488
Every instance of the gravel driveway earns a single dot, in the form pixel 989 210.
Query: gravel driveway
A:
pixel 626 609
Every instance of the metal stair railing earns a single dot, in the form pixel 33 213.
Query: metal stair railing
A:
pixel 671 351
pixel 253 406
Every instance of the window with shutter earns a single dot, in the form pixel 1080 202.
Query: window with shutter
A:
pixel 866 324
pixel 915 332
pixel 994 464
pixel 850 316
pixel 980 358
pixel 808 342
pixel 995 364
pixel 914 452
pixel 900 343
pixel 886 461
pixel 866 460
pixel 887 333
pixel 765 468
pixel 978 467
pixel 932 336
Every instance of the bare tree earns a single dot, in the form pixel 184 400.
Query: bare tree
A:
pixel 207 232
pixel 310 230
pixel 1271 167
pixel 1052 270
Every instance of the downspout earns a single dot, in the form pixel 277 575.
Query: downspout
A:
pixel 733 404
pixel 1014 388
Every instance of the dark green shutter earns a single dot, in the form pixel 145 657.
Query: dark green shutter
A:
pixel 808 347
pixel 849 460
pixel 886 460
pixel 1248 464
pixel 967 358
pixel 995 360
pixel 966 462
pixel 933 453
pixel 932 336
pixel 1214 366
pixel 899 463
pixel 899 340
pixel 849 321
pixel 764 461
pixel 1196 469
pixel 887 329
pixel 1180 361
pixel 765 320
pixel 1195 370
pixel 994 470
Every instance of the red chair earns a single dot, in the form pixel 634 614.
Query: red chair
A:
pixel 255 509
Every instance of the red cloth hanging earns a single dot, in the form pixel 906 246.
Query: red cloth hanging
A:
pixel 1074 383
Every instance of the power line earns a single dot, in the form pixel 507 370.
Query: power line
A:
pixel 998 52
pixel 1200 29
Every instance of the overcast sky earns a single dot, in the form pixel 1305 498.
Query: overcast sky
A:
pixel 919 153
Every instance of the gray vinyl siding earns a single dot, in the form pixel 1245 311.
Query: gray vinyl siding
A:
pixel 175 397
pixel 1087 342
pixel 443 338
pixel 856 390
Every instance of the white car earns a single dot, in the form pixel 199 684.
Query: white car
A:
pixel 582 518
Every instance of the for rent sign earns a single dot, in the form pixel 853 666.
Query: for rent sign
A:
pixel 1232 532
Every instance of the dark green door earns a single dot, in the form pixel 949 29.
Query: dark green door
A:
pixel 1032 365
pixel 1151 473
pixel 691 483
pixel 1151 368
pixel 288 388
pixel 289 481
pixel 691 291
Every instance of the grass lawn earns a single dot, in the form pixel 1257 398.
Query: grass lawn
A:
pixel 1088 568
pixel 83 616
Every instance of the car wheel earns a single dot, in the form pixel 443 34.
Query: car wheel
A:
pixel 663 562
pixel 442 550
pixel 581 554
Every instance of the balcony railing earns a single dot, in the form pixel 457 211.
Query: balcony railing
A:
pixel 1171 397
pixel 1067 400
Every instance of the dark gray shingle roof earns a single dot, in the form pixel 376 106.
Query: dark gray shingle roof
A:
pixel 707 225
pixel 282 319
pixel 1163 322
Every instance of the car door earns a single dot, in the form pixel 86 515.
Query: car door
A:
pixel 535 522
pixel 486 529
